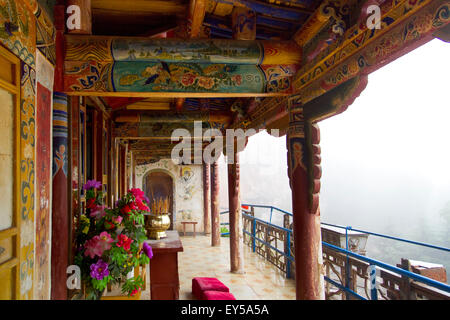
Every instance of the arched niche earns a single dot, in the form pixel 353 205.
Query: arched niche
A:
pixel 159 183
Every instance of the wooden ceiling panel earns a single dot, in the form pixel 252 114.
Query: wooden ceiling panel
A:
pixel 138 17
pixel 141 7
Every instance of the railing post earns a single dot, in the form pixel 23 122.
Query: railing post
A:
pixel 347 265
pixel 286 222
pixel 288 254
pixel 271 212
pixel 373 282
pixel 405 287
pixel 253 233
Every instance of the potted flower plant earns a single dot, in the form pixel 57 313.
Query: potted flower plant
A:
pixel 111 242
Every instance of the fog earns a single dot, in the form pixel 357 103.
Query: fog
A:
pixel 385 161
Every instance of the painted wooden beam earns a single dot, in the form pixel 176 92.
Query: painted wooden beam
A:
pixel 85 15
pixel 224 7
pixel 137 67
pixel 364 50
pixel 196 16
pixel 243 23
pixel 143 7
pixel 219 27
pixel 311 27
pixel 195 25
pixel 172 117
pixel 211 51
pixel 118 103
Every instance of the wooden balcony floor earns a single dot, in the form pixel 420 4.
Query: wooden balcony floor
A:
pixel 261 281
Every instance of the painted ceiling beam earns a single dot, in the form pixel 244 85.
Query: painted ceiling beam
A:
pixel 118 103
pixel 173 117
pixel 195 18
pixel 195 24
pixel 220 29
pixel 161 131
pixel 364 50
pixel 403 26
pixel 137 67
pixel 137 49
pixel 263 8
pixel 223 23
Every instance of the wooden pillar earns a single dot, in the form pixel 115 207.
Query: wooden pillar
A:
pixel 244 23
pixel 97 124
pixel 122 170
pixel 215 216
pixel 206 204
pixel 60 214
pixel 85 16
pixel 304 174
pixel 234 205
pixel 60 244
pixel 133 170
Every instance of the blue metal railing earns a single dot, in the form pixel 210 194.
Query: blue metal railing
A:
pixel 373 264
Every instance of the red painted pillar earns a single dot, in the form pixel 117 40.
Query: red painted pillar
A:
pixel 215 216
pixel 304 174
pixel 60 213
pixel 234 205
pixel 206 205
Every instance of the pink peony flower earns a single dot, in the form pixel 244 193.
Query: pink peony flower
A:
pixel 98 212
pixel 117 220
pixel 98 244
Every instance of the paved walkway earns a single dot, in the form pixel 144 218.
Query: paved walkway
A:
pixel 261 280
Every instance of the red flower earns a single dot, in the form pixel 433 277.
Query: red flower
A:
pixel 124 242
pixel 135 291
pixel 91 204
pixel 187 79
pixel 125 210
pixel 140 205
pixel 109 225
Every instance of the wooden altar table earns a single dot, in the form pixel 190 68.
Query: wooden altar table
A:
pixel 164 280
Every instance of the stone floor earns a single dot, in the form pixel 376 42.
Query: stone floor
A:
pixel 261 280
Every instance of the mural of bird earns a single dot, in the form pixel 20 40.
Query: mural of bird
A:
pixel 165 66
pixel 151 79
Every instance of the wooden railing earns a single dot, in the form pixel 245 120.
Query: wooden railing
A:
pixel 348 273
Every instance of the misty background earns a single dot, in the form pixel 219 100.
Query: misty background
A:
pixel 385 161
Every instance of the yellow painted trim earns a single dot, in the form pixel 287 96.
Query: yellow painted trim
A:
pixel 14 88
pixel 8 233
pixel 348 41
pixel 11 263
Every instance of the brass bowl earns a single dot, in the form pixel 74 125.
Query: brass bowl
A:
pixel 156 225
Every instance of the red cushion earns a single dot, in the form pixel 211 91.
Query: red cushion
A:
pixel 217 295
pixel 201 284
